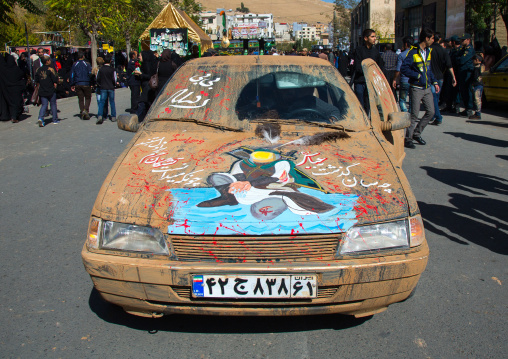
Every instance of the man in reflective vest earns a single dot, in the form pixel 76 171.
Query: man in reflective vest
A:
pixel 416 67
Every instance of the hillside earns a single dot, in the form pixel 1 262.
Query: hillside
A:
pixel 310 11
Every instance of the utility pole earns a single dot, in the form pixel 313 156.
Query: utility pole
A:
pixel 334 27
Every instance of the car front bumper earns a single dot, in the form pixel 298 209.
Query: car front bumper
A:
pixel 357 286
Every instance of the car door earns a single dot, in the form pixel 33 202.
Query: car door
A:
pixel 382 103
pixel 497 82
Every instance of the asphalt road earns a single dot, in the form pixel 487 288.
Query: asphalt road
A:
pixel 49 178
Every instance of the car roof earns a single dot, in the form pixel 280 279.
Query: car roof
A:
pixel 263 60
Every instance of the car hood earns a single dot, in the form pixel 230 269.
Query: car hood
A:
pixel 231 183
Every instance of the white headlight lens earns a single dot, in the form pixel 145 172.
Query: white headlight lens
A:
pixel 375 237
pixel 129 237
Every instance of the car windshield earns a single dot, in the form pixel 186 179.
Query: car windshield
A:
pixel 233 95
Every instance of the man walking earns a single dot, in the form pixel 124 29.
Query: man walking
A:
pixel 106 81
pixel 465 64
pixel 37 61
pixel 366 51
pixel 47 79
pixel 80 82
pixel 453 99
pixel 416 67
pixel 407 42
pixel 390 59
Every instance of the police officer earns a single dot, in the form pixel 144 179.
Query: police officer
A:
pixel 465 64
pixel 453 99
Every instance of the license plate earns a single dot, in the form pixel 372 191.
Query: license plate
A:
pixel 254 286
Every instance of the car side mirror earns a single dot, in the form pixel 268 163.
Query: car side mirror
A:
pixel 128 122
pixel 396 121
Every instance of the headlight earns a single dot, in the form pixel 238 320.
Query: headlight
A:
pixel 129 237
pixel 375 237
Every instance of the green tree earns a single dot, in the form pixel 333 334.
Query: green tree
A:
pixel 13 32
pixel 136 19
pixel 480 15
pixel 91 16
pixel 6 9
pixel 342 22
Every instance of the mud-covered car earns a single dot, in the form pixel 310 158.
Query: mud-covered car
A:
pixel 259 186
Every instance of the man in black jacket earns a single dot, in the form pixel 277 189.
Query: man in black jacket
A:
pixel 133 82
pixel 366 51
pixel 106 81
pixel 47 79
pixel 80 82
pixel 439 63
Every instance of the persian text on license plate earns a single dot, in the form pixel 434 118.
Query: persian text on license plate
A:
pixel 254 286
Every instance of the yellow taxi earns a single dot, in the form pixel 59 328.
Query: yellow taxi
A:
pixel 495 82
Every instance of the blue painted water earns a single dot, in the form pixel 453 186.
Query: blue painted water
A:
pixel 237 220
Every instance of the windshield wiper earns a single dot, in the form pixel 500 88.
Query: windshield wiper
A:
pixel 198 122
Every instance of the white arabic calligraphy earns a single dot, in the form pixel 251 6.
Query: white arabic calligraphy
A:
pixel 369 184
pixel 156 143
pixel 202 81
pixel 344 173
pixel 181 96
pixel 187 178
pixel 348 180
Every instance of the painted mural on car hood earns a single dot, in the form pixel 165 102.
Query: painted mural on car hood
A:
pixel 233 183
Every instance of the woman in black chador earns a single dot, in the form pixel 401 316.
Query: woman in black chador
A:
pixel 12 85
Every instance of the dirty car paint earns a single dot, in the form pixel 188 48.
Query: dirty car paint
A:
pixel 199 172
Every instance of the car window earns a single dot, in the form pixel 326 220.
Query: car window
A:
pixel 234 95
pixel 292 95
pixel 503 66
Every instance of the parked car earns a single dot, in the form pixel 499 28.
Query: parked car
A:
pixel 495 82
pixel 259 186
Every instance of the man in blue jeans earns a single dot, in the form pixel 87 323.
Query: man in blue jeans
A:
pixel 106 81
pixel 47 79
pixel 407 42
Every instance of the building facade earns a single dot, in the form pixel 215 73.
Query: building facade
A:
pixel 252 26
pixel 413 15
pixel 241 26
pixel 446 17
pixel 282 32
pixel 307 33
pixel 378 15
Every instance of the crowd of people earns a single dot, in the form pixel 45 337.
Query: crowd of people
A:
pixel 442 75
pixel 444 81
pixel 54 76
pixel 40 78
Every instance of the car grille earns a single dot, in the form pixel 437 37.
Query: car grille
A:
pixel 323 292
pixel 256 249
